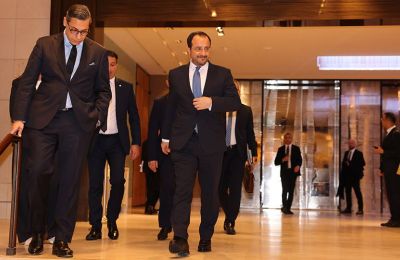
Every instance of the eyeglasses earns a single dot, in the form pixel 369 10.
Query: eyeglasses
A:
pixel 75 31
pixel 198 49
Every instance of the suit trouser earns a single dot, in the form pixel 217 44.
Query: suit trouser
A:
pixel 187 162
pixel 106 148
pixel 392 181
pixel 167 187
pixel 288 180
pixel 354 184
pixel 230 186
pixel 152 187
pixel 64 137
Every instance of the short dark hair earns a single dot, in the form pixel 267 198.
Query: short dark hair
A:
pixel 198 33
pixel 111 53
pixel 78 11
pixel 390 116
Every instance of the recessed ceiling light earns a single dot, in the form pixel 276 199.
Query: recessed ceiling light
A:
pixel 214 13
pixel 178 41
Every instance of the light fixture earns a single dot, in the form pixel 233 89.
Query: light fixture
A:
pixel 220 31
pixel 358 62
pixel 214 13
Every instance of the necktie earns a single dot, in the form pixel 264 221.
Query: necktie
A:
pixel 71 60
pixel 229 130
pixel 196 83
pixel 287 150
pixel 349 158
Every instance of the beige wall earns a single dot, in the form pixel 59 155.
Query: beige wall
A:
pixel 21 23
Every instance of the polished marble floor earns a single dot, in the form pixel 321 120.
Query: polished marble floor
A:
pixel 265 235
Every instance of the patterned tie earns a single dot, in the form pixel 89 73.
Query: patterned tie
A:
pixel 196 83
pixel 229 130
pixel 71 60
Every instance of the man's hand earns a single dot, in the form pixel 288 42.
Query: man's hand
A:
pixel 296 169
pixel 254 158
pixel 380 174
pixel 165 147
pixel 153 165
pixel 134 152
pixel 17 127
pixel 202 103
pixel 378 150
pixel 285 159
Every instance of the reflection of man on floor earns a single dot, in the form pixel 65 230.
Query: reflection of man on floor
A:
pixel 289 158
pixel 351 174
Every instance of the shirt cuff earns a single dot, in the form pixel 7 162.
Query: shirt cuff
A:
pixel 165 140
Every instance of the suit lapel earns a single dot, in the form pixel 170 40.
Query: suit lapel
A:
pixel 187 80
pixel 83 61
pixel 118 87
pixel 59 38
pixel 210 75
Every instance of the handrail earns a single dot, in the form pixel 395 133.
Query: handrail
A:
pixel 7 140
pixel 16 141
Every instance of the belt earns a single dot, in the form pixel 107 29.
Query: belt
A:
pixel 65 109
pixel 230 147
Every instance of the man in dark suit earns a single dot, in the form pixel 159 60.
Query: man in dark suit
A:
pixel 59 118
pixel 390 159
pixel 351 174
pixel 152 182
pixel 289 158
pixel 239 135
pixel 194 130
pixel 112 145
pixel 158 161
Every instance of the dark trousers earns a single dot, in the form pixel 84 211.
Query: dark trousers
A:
pixel 152 186
pixel 288 179
pixel 354 184
pixel 187 162
pixel 167 187
pixel 105 148
pixel 230 186
pixel 64 137
pixel 392 181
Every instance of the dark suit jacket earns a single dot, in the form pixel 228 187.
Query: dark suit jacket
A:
pixel 296 159
pixel 89 89
pixel 155 127
pixel 244 131
pixel 125 105
pixel 14 87
pixel 391 157
pixel 354 170
pixel 182 117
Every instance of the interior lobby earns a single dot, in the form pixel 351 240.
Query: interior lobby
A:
pixel 322 70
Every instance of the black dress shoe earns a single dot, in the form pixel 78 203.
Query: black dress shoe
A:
pixel 346 211
pixel 229 228
pixel 113 232
pixel 163 234
pixel 391 223
pixel 94 234
pixel 36 245
pixel 360 212
pixel 61 249
pixel 150 210
pixel 179 246
pixel 204 245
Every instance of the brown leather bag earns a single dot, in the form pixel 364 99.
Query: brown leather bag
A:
pixel 248 179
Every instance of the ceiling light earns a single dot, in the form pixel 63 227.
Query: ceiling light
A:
pixel 358 62
pixel 213 13
pixel 220 31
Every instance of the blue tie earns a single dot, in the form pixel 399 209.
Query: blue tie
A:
pixel 196 83
pixel 229 129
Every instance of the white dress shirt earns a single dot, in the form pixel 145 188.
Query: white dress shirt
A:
pixel 233 128
pixel 350 155
pixel 289 164
pixel 390 129
pixel 112 127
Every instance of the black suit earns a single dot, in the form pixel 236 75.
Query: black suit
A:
pixel 165 167
pixel 288 176
pixel 230 187
pixel 200 150
pixel 112 148
pixel 350 176
pixel 389 164
pixel 51 131
pixel 152 179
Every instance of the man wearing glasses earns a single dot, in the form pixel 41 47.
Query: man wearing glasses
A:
pixel 59 119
